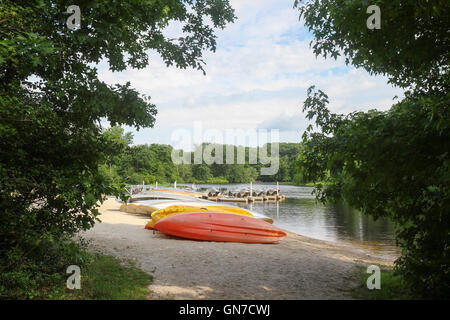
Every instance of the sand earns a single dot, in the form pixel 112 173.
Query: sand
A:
pixel 296 268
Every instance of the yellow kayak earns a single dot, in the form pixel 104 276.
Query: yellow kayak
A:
pixel 179 209
pixel 236 210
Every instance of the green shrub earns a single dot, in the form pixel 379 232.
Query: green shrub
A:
pixel 38 270
pixel 392 287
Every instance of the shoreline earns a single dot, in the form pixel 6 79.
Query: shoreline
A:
pixel 298 267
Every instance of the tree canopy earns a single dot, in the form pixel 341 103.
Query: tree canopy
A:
pixel 52 103
pixel 411 48
pixel 152 163
pixel 393 163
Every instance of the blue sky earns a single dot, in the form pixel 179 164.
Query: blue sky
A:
pixel 257 78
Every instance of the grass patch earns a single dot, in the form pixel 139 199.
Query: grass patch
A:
pixel 391 286
pixel 40 273
pixel 106 278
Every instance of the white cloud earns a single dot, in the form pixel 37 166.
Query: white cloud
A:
pixel 257 78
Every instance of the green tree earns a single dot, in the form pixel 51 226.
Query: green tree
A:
pixel 411 48
pixel 201 172
pixel 287 157
pixel 250 174
pixel 184 171
pixel 117 142
pixel 394 163
pixel 51 103
pixel 235 173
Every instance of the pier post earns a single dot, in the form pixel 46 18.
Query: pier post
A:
pixel 277 191
pixel 278 209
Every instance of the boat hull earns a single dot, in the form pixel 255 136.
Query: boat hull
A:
pixel 182 209
pixel 222 227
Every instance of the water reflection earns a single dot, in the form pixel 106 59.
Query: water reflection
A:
pixel 301 214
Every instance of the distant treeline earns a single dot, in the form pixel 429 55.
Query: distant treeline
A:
pixel 151 163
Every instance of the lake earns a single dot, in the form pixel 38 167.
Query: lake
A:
pixel 302 214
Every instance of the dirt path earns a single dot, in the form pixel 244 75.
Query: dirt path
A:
pixel 296 268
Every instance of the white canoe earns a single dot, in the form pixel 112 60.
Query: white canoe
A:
pixel 162 204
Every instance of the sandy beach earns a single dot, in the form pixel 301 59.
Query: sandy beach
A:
pixel 296 268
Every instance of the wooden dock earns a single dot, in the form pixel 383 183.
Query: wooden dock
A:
pixel 229 199
pixel 241 198
pixel 256 199
pixel 244 195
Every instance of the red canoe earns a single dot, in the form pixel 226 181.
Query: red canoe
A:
pixel 220 227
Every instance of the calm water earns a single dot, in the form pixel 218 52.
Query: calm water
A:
pixel 301 214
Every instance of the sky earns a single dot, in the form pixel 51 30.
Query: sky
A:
pixel 256 80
